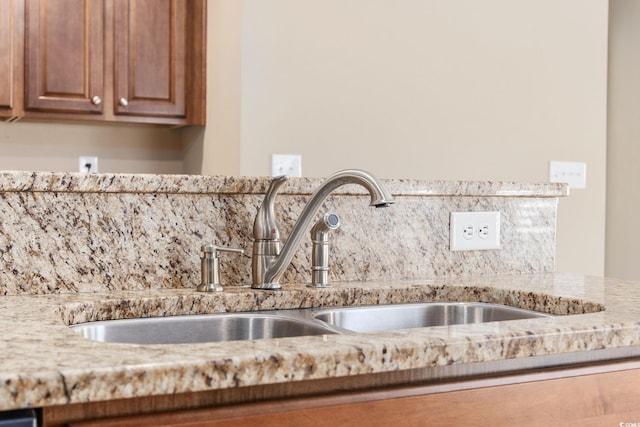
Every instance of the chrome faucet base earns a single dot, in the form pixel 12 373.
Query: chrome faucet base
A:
pixel 267 286
pixel 319 285
pixel 209 287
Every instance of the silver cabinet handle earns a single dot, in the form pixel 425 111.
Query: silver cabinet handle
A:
pixel 124 102
pixel 96 100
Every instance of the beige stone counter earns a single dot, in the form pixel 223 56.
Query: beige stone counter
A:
pixel 65 233
pixel 44 363
pixel 84 247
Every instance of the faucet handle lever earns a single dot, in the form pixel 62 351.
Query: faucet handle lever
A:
pixel 210 267
pixel 264 226
pixel 239 251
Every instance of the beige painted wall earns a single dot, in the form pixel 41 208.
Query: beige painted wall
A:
pixel 427 89
pixel 465 89
pixel 220 141
pixel 47 146
pixel 623 176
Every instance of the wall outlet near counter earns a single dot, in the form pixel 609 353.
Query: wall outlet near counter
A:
pixel 573 173
pixel 286 164
pixel 469 231
pixel 88 164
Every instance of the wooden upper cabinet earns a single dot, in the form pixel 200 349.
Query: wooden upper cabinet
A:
pixel 64 56
pixel 150 57
pixel 111 60
pixel 6 55
pixel 11 46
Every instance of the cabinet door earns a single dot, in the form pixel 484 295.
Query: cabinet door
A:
pixel 7 57
pixel 149 57
pixel 64 55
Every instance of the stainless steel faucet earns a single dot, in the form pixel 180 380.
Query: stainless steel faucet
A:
pixel 270 258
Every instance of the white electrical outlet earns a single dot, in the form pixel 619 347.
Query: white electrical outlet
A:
pixel 286 164
pixel 573 173
pixel 88 164
pixel 470 231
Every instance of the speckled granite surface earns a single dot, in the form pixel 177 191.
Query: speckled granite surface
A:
pixel 69 232
pixel 19 181
pixel 75 248
pixel 45 363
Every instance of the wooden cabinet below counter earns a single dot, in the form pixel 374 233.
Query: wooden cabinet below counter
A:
pixel 139 61
pixel 594 395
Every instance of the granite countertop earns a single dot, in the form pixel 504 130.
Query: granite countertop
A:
pixel 45 363
pixel 48 182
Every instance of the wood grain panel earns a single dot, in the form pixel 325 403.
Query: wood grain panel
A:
pixel 150 57
pixel 608 398
pixel 6 54
pixel 64 61
pixel 153 49
pixel 196 80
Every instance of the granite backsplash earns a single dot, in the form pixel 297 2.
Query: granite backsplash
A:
pixel 69 232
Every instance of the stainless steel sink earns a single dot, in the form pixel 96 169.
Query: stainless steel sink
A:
pixel 199 328
pixel 221 327
pixel 418 315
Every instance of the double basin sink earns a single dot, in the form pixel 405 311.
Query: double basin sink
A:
pixel 222 327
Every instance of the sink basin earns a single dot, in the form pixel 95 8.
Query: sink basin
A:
pixel 199 328
pixel 418 315
pixel 222 327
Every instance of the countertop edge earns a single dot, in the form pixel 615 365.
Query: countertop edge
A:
pixel 74 182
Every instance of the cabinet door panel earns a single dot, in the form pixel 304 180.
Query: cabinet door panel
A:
pixel 64 61
pixel 6 55
pixel 149 57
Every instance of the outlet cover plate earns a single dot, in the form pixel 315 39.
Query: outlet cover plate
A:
pixel 286 164
pixel 573 173
pixel 470 231
pixel 88 164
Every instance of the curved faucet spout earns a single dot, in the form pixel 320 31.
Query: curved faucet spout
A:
pixel 273 269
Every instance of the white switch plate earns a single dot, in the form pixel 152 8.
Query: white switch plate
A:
pixel 573 173
pixel 286 164
pixel 88 164
pixel 469 231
